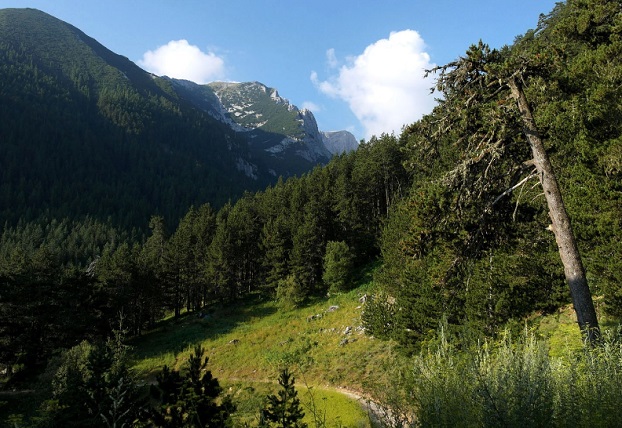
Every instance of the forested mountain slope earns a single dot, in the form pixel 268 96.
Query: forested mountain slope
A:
pixel 87 132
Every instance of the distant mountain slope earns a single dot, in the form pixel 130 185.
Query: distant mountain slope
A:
pixel 85 131
pixel 282 137
pixel 338 142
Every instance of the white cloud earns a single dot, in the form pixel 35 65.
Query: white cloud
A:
pixel 310 105
pixel 384 86
pixel 181 60
pixel 331 58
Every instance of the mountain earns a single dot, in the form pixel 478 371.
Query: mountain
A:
pixel 87 132
pixel 338 142
pixel 283 138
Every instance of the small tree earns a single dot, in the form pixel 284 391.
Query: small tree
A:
pixel 92 386
pixel 290 292
pixel 337 266
pixel 284 410
pixel 190 400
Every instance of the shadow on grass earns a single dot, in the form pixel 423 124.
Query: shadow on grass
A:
pixel 177 335
pixel 173 337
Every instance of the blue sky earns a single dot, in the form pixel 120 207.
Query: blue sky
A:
pixel 357 64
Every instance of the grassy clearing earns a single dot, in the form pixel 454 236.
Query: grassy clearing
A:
pixel 248 343
pixel 322 407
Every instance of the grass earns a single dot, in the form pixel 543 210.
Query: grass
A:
pixel 326 407
pixel 248 343
pixel 323 344
pixel 561 330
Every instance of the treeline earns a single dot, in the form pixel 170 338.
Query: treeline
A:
pixel 71 280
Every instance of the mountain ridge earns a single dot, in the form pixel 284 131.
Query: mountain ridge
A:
pixel 88 131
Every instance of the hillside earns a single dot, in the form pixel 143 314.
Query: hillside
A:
pixel 480 237
pixel 249 343
pixel 87 132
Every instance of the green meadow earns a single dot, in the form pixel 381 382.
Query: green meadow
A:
pixel 335 364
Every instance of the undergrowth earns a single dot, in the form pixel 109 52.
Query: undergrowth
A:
pixel 512 382
pixel 543 378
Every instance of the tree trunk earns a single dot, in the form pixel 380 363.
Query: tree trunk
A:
pixel 568 250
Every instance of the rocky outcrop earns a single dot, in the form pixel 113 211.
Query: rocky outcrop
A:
pixel 338 142
pixel 282 139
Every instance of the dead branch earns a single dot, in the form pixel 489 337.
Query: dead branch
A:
pixel 517 185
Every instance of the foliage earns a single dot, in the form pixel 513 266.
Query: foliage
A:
pixel 284 410
pixel 337 266
pixel 290 292
pixel 92 386
pixel 510 383
pixel 471 241
pixel 189 400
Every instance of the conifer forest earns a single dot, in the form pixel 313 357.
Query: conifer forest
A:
pixel 501 205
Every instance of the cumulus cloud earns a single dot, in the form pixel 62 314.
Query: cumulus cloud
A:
pixel 181 60
pixel 384 86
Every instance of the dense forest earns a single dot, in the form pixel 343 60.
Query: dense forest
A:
pixel 453 209
pixel 87 133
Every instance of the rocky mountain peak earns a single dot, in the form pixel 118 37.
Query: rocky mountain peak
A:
pixel 338 142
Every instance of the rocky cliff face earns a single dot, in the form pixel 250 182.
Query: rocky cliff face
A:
pixel 281 137
pixel 338 142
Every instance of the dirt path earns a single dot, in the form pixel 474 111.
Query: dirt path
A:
pixel 375 412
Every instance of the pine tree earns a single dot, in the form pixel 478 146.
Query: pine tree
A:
pixel 190 400
pixel 470 85
pixel 275 246
pixel 337 266
pixel 283 410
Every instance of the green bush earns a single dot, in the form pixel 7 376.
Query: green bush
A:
pixel 508 383
pixel 588 388
pixel 290 292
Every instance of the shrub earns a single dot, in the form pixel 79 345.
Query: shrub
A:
pixel 290 293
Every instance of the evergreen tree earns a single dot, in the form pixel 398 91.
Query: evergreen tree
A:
pixel 150 267
pixel 484 74
pixel 189 400
pixel 220 268
pixel 275 247
pixel 308 252
pixel 92 386
pixel 205 228
pixel 290 292
pixel 337 266
pixel 284 409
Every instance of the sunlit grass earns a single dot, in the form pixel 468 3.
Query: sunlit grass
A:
pixel 322 407
pixel 248 343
